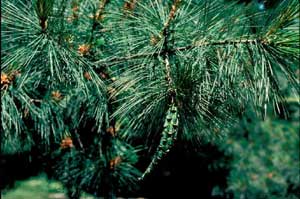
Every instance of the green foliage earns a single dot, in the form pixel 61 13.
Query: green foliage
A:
pixel 95 172
pixel 38 188
pixel 13 126
pixel 46 68
pixel 53 92
pixel 265 159
pixel 218 65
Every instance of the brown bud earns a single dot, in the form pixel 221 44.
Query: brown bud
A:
pixel 84 49
pixel 5 79
pixel 66 143
pixel 69 39
pixel 111 131
pixel 229 141
pixel 270 175
pixel 114 162
pixel 87 75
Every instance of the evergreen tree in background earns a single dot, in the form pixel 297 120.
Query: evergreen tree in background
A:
pixel 95 82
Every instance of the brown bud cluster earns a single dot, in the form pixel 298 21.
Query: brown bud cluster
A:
pixel 84 49
pixel 66 143
pixel 114 162
pixel 8 78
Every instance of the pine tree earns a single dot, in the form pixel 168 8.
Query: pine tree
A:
pixel 83 80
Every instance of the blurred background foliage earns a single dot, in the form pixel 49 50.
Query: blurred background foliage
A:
pixel 39 188
pixel 262 157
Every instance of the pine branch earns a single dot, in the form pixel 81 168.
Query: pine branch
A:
pixel 116 60
pixel 197 44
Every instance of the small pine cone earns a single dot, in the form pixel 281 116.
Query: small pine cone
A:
pixel 114 162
